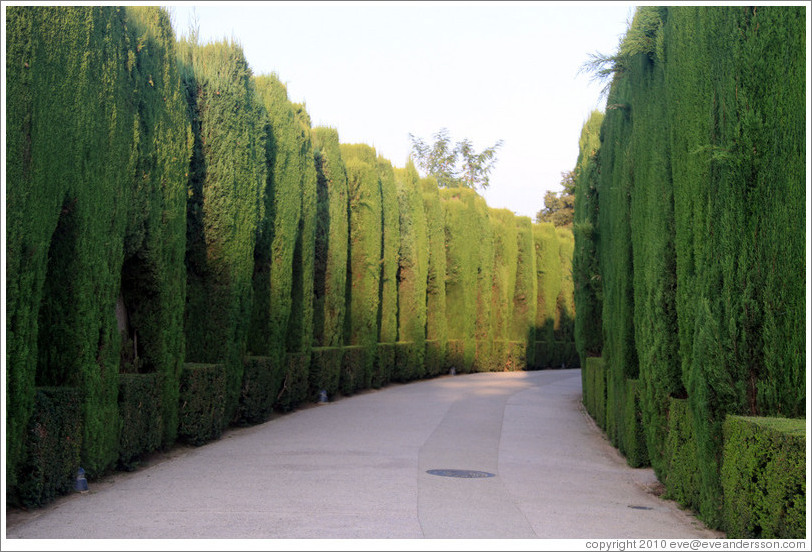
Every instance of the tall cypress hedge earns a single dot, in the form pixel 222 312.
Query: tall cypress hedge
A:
pixel 462 220
pixel 279 228
pixel 330 272
pixel 587 288
pixel 153 276
pixel 700 216
pixel 70 167
pixel 413 266
pixel 364 266
pixel 525 291
pixel 436 321
pixel 226 182
pixel 390 245
pixel 505 264
pixel 739 234
pixel 548 271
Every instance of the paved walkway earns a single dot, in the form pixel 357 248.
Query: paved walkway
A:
pixel 357 468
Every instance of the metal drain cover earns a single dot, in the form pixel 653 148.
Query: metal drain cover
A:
pixel 467 474
pixel 640 507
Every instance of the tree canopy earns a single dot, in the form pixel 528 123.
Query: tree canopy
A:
pixel 454 166
pixel 559 207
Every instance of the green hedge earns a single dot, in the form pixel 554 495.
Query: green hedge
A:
pixel 53 443
pixel 525 303
pixel 70 167
pixel 389 253
pixel 436 323
pixel 295 382
pixel 227 178
pixel 587 289
pixel 548 271
pixel 262 380
pixel 680 471
pixel 555 354
pixel 325 371
pixel 365 248
pixel 595 390
pixel 435 357
pixel 140 411
pixel 764 477
pixel 330 271
pixel 633 433
pixel 408 363
pixel 464 314
pixel 383 367
pixel 505 264
pixel 202 399
pixel 355 362
pixel 413 266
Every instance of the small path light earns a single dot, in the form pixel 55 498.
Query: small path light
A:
pixel 80 484
pixel 322 396
pixel 452 372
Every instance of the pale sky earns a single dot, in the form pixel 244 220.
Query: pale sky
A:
pixel 377 71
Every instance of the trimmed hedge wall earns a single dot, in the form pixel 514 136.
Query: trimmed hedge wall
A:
pixel 680 469
pixel 700 187
pixel 140 410
pixel 436 322
pixel 226 260
pixel 325 371
pixel 262 380
pixel 53 442
pixel 412 274
pixel 763 477
pixel 226 184
pixel 330 271
pixel 201 411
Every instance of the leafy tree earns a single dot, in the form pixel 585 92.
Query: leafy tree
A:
pixel 559 207
pixel 457 165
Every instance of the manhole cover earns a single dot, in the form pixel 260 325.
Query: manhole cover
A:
pixel 468 474
pixel 640 507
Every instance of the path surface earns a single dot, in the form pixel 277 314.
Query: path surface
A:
pixel 357 468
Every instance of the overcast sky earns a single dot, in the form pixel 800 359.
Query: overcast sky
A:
pixel 378 71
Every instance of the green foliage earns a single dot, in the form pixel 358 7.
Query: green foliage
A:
pixel 295 382
pixel 153 276
pixel 595 390
pixel 278 233
pixel 325 371
pixel 389 255
pixel 409 358
pixel 458 166
pixel 384 366
pixel 436 322
pixel 680 469
pixel 261 381
pixel 226 184
pixel 462 220
pixel 68 211
pixel 300 326
pixel 524 305
pixel 365 245
pixel 587 286
pixel 330 271
pixel 140 410
pixel 763 477
pixel 53 442
pixel 201 411
pixel 413 265
pixel 548 271
pixel 505 265
pixel 633 432
pixel 559 207
pixel 355 362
